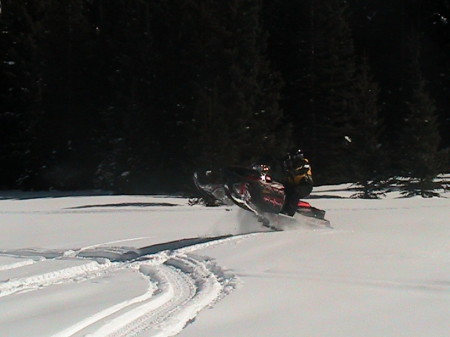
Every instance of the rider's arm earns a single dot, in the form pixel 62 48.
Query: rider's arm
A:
pixel 302 170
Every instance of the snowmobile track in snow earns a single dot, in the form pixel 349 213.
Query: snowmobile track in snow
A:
pixel 180 284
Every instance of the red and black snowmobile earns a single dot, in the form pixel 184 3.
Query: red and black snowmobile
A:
pixel 254 190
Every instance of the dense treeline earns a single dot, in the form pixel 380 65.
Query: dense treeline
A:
pixel 133 95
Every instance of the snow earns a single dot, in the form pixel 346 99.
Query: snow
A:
pixel 93 264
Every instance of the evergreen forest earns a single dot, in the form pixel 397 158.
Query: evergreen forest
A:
pixel 133 96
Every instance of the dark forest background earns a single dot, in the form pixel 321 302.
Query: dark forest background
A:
pixel 134 95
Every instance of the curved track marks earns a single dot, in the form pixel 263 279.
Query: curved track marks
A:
pixel 179 285
pixel 82 270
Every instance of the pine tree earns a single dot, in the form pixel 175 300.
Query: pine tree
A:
pixel 9 112
pixel 236 115
pixel 21 94
pixel 68 97
pixel 367 154
pixel 129 146
pixel 419 155
pixel 329 89
pixel 48 91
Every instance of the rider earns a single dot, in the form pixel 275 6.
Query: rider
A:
pixel 294 172
pixel 297 180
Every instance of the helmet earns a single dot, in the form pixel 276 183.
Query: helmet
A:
pixel 293 158
pixel 296 154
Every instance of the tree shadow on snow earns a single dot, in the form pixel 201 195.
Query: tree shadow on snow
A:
pixel 127 204
pixel 22 195
pixel 325 196
pixel 114 254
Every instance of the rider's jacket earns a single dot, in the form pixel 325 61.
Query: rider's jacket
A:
pixel 299 172
pixel 288 172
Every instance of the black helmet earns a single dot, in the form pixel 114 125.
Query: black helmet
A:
pixel 296 154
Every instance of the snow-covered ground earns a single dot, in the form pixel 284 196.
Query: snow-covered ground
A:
pixel 100 265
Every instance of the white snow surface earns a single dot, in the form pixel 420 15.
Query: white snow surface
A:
pixel 115 265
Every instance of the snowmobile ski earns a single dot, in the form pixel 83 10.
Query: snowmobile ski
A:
pixel 212 192
pixel 244 204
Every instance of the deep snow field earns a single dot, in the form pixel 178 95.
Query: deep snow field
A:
pixel 104 265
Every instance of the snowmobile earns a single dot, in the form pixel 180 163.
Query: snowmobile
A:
pixel 253 190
